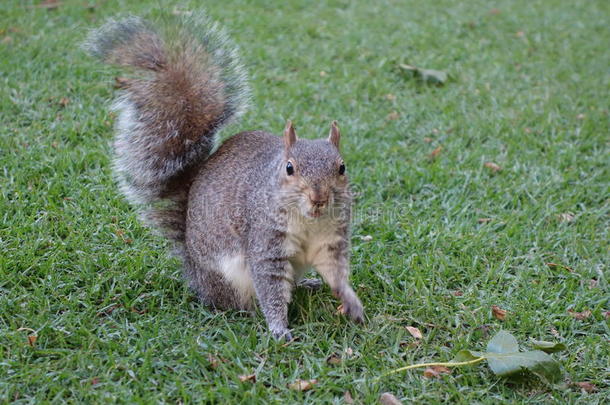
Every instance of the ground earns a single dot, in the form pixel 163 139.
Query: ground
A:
pixel 450 236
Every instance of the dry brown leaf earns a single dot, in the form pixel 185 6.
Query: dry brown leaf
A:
pixel 416 333
pixel 389 399
pixel 566 217
pixel 483 220
pixel 580 116
pixel 436 371
pixel 214 361
pixel 494 11
pixel 64 101
pixel 248 377
pixel 333 359
pixel 581 316
pixel 520 34
pixel 593 283
pixel 434 154
pixel 323 74
pixel 7 40
pixel 120 82
pixel 347 397
pixel 49 4
pixel 349 351
pixel 302 385
pixel 606 314
pixel 32 340
pixel 553 266
pixel 340 310
pixel 458 293
pixel 95 381
pixel 586 386
pixel 366 238
pixel 498 312
pixel 492 166
pixel 390 97
pixel 427 139
pixel 392 116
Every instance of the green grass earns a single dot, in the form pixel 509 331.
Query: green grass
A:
pixel 114 319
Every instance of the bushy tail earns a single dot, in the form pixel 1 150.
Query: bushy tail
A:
pixel 190 84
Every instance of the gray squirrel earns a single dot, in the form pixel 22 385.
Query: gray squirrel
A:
pixel 248 218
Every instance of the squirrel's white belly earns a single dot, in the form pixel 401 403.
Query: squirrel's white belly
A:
pixel 306 244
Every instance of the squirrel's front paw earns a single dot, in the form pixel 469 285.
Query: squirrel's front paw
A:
pixel 352 307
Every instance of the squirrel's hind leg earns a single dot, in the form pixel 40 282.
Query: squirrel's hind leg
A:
pixel 213 289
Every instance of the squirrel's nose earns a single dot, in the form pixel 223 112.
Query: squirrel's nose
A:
pixel 319 203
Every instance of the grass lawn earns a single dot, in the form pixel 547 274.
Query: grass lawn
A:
pixel 528 90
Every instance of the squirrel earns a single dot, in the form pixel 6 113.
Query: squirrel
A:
pixel 249 217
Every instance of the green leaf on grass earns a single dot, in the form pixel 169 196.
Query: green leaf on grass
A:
pixel 429 76
pixel 505 359
pixel 547 347
pixel 503 342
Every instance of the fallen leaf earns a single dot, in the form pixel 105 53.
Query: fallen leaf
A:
pixel 302 385
pixel 579 315
pixel 553 266
pixel 248 377
pixel 333 359
pixel 606 314
pixel 555 333
pixel 7 40
pixel 580 116
pixel 323 74
pixel 436 371
pixel 566 217
pixel 483 220
pixel 416 333
pixel 547 347
pixel 593 283
pixel 121 82
pixel 214 361
pixel 49 4
pixel 586 386
pixel 340 310
pixel 494 11
pixel 498 312
pixel 389 399
pixel 429 76
pixel 458 293
pixel 492 166
pixel 95 381
pixel 349 351
pixel 390 97
pixel 32 340
pixel 436 152
pixel 392 116
pixel 64 101
pixel 366 238
pixel 428 139
pixel 520 34
pixel 347 397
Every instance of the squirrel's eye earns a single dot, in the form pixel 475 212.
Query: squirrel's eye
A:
pixel 342 169
pixel 289 169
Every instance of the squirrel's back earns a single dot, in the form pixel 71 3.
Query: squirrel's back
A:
pixel 188 84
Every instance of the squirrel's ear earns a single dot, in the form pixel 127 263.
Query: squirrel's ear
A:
pixel 335 136
pixel 290 136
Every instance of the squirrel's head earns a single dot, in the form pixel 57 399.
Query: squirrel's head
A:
pixel 314 177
